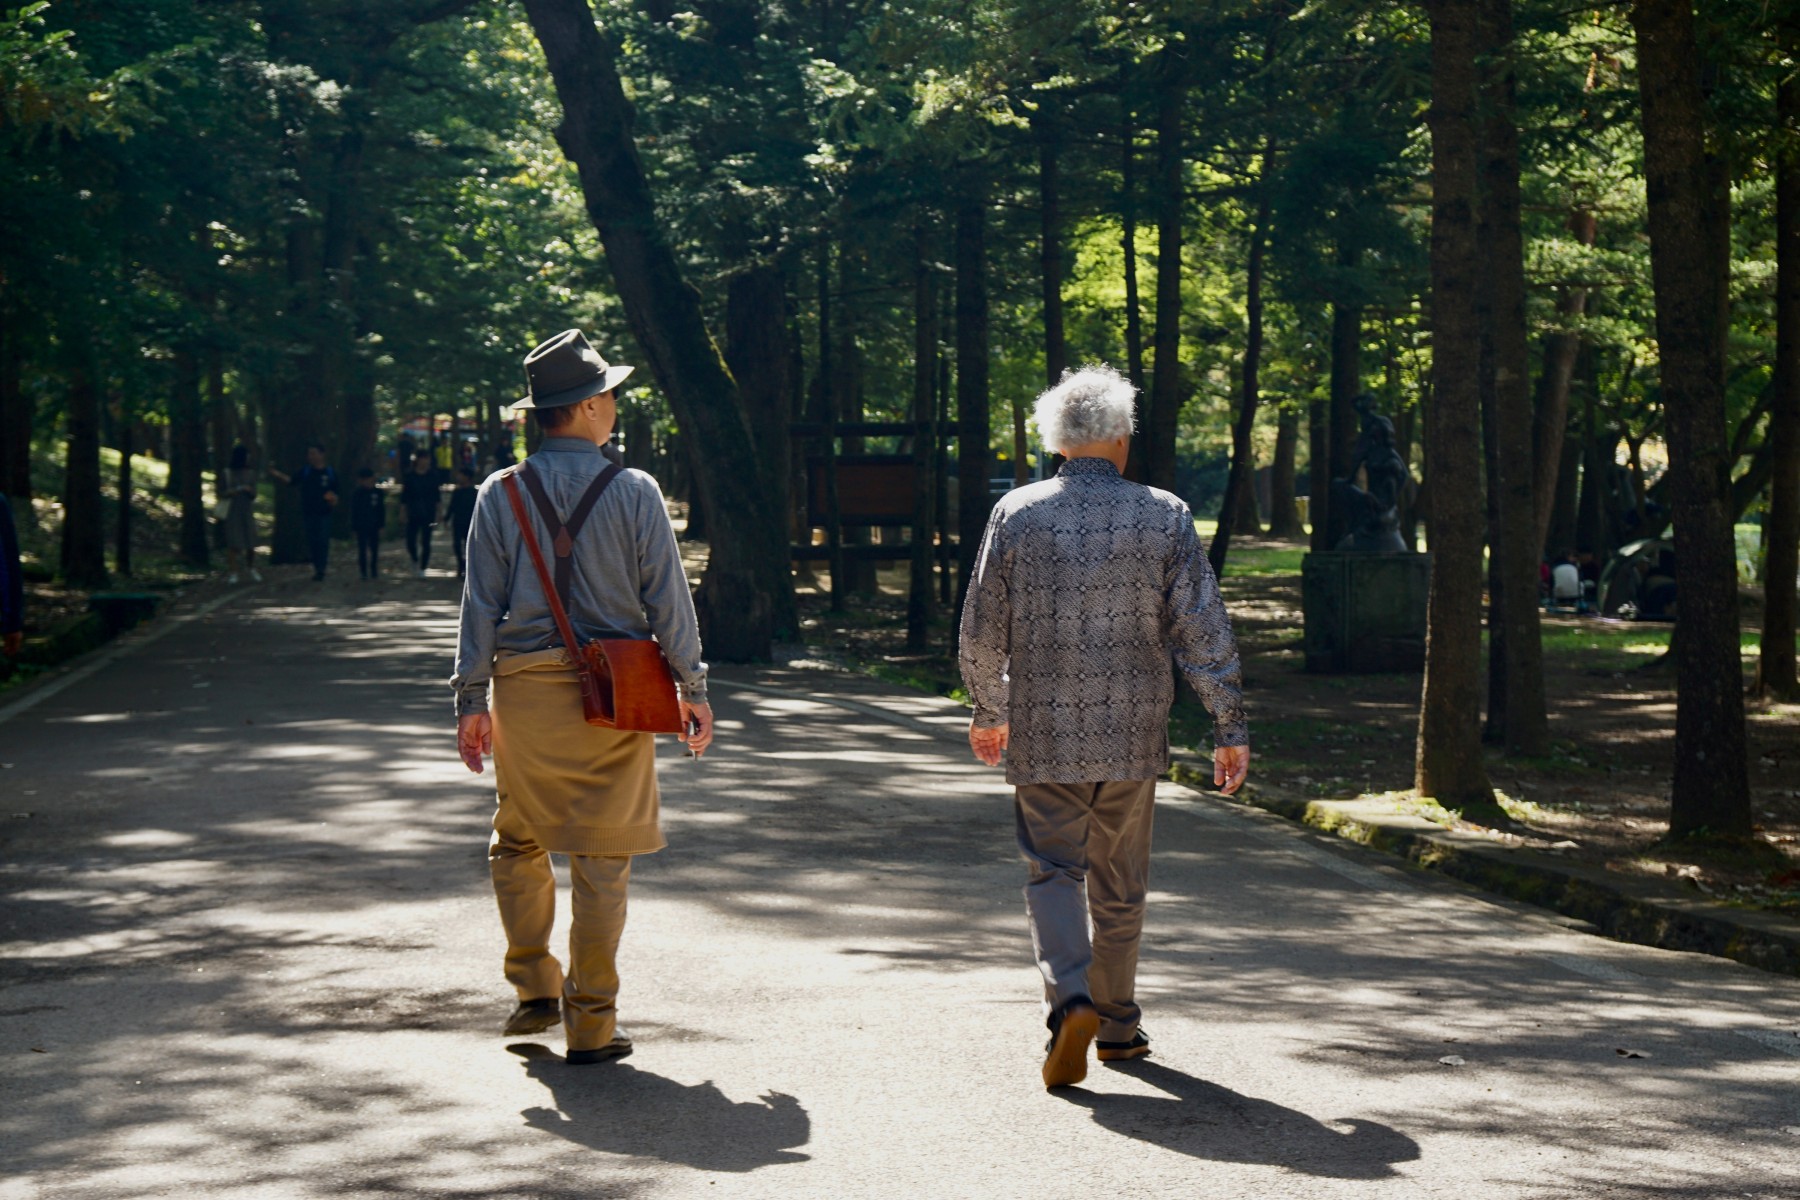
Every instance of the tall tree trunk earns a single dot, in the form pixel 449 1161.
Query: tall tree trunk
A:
pixel 1593 514
pixel 1162 422
pixel 1522 725
pixel 122 526
pixel 860 574
pixel 757 336
pixel 1051 247
pixel 1346 385
pixel 1562 534
pixel 1449 764
pixel 189 433
pixel 920 606
pixel 1775 675
pixel 221 422
pixel 84 533
pixel 1710 789
pixel 1550 408
pixel 972 425
pixel 825 402
pixel 1284 514
pixel 746 599
pixel 16 417
pixel 1134 309
pixel 1318 473
pixel 1239 487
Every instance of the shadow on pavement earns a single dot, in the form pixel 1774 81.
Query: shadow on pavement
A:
pixel 620 1109
pixel 1213 1122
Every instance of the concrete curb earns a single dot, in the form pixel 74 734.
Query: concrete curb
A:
pixel 1627 909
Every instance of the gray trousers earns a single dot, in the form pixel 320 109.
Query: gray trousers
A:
pixel 1088 849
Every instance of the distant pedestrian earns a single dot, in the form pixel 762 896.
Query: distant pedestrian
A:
pixel 368 516
pixel 461 513
pixel 239 518
pixel 566 786
pixel 319 491
pixel 1086 588
pixel 12 584
pixel 421 491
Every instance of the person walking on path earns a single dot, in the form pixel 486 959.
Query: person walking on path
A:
pixel 1085 588
pixel 462 512
pixel 421 490
pixel 12 584
pixel 318 486
pixel 368 517
pixel 240 516
pixel 565 786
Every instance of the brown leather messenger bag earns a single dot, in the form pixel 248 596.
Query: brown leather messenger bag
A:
pixel 626 683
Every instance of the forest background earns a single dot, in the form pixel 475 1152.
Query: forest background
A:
pixel 1559 244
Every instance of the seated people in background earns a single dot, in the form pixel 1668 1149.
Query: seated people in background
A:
pixel 1657 597
pixel 1565 581
pixel 368 515
pixel 1587 563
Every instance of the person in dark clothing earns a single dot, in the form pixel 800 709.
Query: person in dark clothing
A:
pixel 419 496
pixel 318 486
pixel 12 585
pixel 368 515
pixel 461 514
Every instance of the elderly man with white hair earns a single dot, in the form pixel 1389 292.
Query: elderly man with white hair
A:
pixel 1089 593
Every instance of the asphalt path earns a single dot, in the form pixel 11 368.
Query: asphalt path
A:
pixel 249 950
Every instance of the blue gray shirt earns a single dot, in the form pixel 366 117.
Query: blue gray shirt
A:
pixel 628 579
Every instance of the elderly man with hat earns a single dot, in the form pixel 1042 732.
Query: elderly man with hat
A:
pixel 565 786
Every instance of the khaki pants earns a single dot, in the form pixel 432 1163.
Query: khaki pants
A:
pixel 526 889
pixel 1091 838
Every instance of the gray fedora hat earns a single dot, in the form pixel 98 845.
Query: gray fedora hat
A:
pixel 566 370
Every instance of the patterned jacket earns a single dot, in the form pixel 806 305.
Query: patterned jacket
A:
pixel 1087 587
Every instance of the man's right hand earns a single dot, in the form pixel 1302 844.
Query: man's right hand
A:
pixel 988 744
pixel 12 642
pixel 474 738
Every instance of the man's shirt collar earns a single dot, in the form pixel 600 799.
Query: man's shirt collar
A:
pixel 567 445
pixel 1089 466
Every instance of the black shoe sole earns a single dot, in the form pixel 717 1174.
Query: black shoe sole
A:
pixel 600 1054
pixel 1122 1054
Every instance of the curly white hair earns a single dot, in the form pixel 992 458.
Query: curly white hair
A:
pixel 1092 404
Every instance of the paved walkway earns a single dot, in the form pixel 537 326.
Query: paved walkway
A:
pixel 249 950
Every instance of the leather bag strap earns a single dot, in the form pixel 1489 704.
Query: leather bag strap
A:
pixel 537 557
pixel 563 533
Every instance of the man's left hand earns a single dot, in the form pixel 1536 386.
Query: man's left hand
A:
pixel 696 727
pixel 474 738
pixel 988 743
pixel 1230 765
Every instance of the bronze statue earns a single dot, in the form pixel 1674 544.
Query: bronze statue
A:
pixel 1373 513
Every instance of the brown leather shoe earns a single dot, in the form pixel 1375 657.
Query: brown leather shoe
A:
pixel 533 1016
pixel 1066 1061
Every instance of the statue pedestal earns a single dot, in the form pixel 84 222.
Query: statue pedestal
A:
pixel 1365 613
